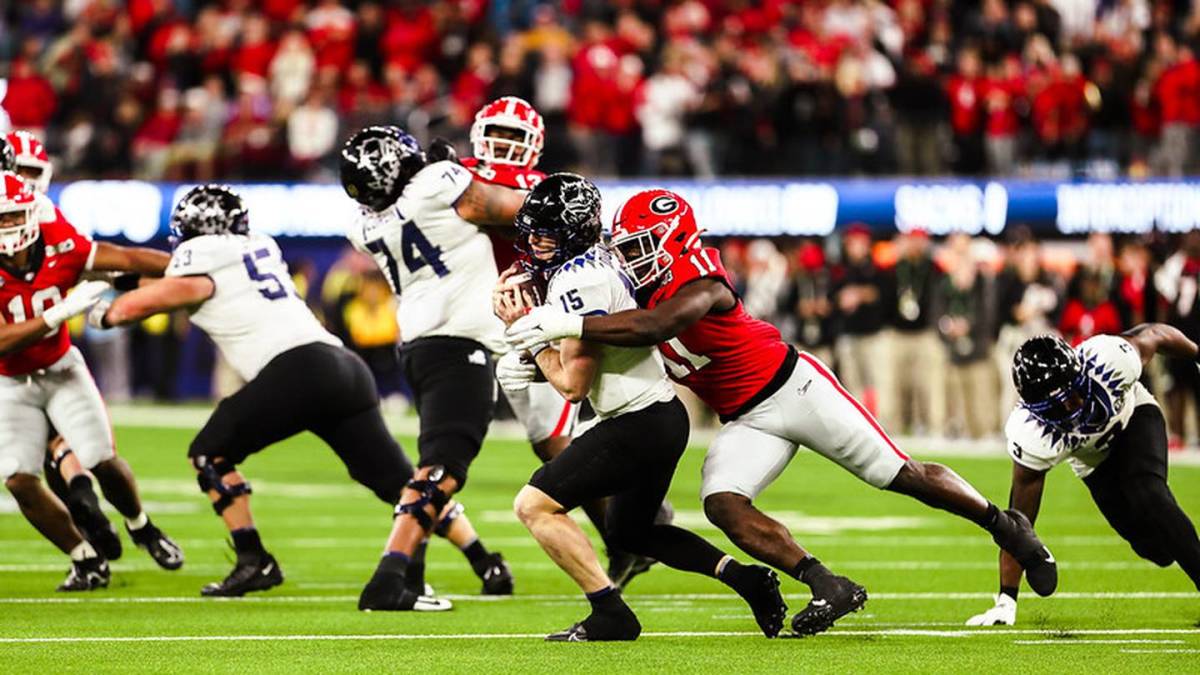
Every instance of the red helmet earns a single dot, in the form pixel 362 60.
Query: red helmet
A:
pixel 32 161
pixel 17 198
pixel 522 133
pixel 652 230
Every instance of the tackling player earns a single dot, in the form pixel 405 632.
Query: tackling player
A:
pixel 1086 407
pixel 420 220
pixel 507 137
pixel 771 398
pixel 298 376
pixel 64 473
pixel 631 454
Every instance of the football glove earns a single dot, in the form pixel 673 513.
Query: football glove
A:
pixel 441 150
pixel 1004 613
pixel 95 317
pixel 515 373
pixel 77 302
pixel 541 325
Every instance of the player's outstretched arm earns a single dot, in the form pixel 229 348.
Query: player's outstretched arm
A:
pixel 1159 338
pixel 571 368
pixel 138 260
pixel 486 204
pixel 647 327
pixel 1026 497
pixel 159 296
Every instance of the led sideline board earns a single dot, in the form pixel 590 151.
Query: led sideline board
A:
pixel 139 211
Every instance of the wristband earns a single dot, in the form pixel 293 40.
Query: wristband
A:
pixel 127 282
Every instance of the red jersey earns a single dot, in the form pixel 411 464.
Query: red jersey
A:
pixel 727 358
pixel 57 260
pixel 517 177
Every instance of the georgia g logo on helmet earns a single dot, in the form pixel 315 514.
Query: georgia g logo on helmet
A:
pixel 664 205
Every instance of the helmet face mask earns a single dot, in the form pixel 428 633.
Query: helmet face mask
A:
pixel 508 131
pixel 650 232
pixel 209 210
pixel 1055 388
pixel 19 228
pixel 559 220
pixel 377 162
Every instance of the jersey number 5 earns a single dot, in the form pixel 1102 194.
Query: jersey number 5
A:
pixel 39 301
pixel 269 285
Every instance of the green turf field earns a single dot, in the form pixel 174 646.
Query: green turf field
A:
pixel 926 573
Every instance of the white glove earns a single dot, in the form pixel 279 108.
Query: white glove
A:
pixel 77 302
pixel 95 317
pixel 515 373
pixel 541 325
pixel 1004 613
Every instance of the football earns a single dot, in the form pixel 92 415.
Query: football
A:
pixel 522 281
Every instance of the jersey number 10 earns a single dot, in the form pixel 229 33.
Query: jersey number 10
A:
pixel 39 301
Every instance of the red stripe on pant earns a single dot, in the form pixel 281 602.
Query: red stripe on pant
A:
pixel 858 406
pixel 562 420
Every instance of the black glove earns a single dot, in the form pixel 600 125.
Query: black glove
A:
pixel 441 150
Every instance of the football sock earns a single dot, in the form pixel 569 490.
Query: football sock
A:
pixel 394 562
pixel 80 491
pixel 991 519
pixel 139 522
pixel 82 551
pixel 810 571
pixel 730 570
pixel 415 569
pixel 477 555
pixel 607 599
pixel 1010 591
pixel 247 543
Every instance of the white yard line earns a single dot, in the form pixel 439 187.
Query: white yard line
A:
pixel 633 597
pixel 1061 641
pixel 527 636
pixel 1160 651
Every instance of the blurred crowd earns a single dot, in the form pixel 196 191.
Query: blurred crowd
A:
pixel 924 332
pixel 197 89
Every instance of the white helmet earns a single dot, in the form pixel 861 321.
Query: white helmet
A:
pixel 509 113
pixel 18 197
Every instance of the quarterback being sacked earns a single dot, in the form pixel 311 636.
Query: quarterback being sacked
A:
pixel 44 381
pixel 1085 406
pixel 298 376
pixel 65 474
pixel 420 220
pixel 631 454
pixel 771 398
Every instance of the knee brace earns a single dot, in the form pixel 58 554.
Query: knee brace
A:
pixel 54 459
pixel 430 495
pixel 442 529
pixel 209 478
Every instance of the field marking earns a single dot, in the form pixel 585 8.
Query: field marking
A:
pixel 1160 651
pixel 526 636
pixel 1062 641
pixel 634 597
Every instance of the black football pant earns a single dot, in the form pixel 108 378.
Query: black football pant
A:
pixel 631 458
pixel 1130 487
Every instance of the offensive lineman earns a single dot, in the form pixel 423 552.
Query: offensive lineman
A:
pixel 1086 407
pixel 44 381
pixel 771 399
pixel 298 376
pixel 420 220
pixel 631 454
pixel 64 473
pixel 507 137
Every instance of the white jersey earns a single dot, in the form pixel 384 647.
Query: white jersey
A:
pixel 1115 366
pixel 254 313
pixel 439 265
pixel 630 378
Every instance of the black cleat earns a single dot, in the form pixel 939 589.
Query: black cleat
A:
pixel 165 552
pixel 1014 533
pixel 257 573
pixel 759 587
pixel 821 613
pixel 95 527
pixel 496 575
pixel 387 592
pixel 624 566
pixel 86 575
pixel 615 627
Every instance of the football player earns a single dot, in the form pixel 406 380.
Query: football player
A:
pixel 506 139
pixel 44 381
pixel 1086 407
pixel 771 399
pixel 420 220
pixel 298 376
pixel 64 472
pixel 631 454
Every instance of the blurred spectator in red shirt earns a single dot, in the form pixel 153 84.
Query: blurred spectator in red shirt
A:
pixel 152 142
pixel 331 32
pixel 1002 92
pixel 254 54
pixel 410 36
pixel 30 100
pixel 965 91
pixel 1091 312
pixel 1178 94
pixel 471 88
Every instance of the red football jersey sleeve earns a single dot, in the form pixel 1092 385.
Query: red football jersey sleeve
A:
pixel 726 357
pixel 516 177
pixel 60 257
